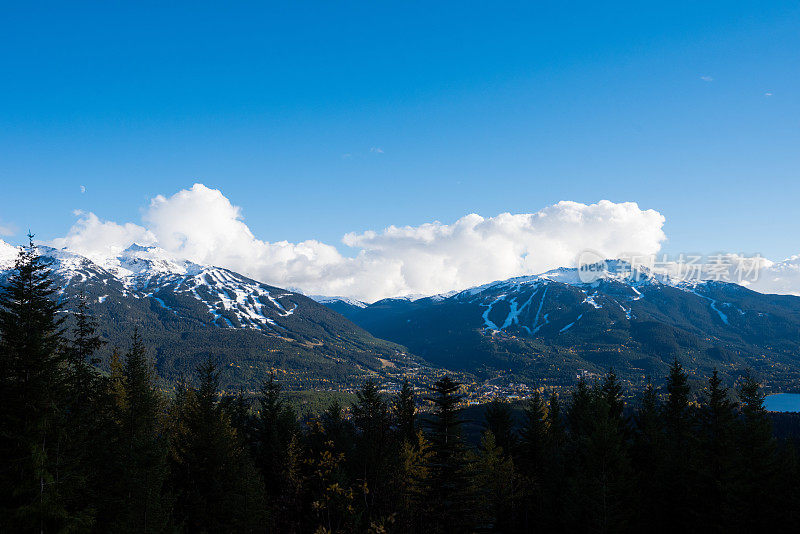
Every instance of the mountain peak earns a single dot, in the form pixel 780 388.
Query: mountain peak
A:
pixel 136 247
pixel 323 299
pixel 149 259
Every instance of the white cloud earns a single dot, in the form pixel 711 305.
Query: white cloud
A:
pixel 767 94
pixel 376 150
pixel 98 239
pixel 707 78
pixel 781 277
pixel 201 224
pixel 83 189
pixel 7 229
pixel 438 257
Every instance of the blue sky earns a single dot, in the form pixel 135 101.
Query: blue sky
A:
pixel 319 119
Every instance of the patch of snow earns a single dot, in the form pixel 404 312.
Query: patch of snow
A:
pixel 515 310
pixel 218 315
pixel 489 324
pixel 578 318
pixel 713 303
pixel 513 314
pixel 161 302
pixel 590 300
pixel 721 315
pixel 8 255
pixel 330 300
pixel 536 325
pixel 442 296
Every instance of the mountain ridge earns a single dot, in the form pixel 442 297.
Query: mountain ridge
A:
pixel 554 325
pixel 189 312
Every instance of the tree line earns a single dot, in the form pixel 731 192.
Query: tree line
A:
pixel 85 451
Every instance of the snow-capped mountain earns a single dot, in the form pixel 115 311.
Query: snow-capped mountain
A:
pixel 322 299
pixel 8 254
pixel 547 326
pixel 232 300
pixel 189 312
pixel 630 318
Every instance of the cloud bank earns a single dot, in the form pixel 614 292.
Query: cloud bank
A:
pixel 202 225
pixel 782 277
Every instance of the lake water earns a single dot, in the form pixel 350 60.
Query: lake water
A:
pixel 783 402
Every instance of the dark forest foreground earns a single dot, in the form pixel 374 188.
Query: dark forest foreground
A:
pixel 85 451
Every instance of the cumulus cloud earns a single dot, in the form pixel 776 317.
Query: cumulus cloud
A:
pixel 473 250
pixel 707 78
pixel 98 239
pixel 202 225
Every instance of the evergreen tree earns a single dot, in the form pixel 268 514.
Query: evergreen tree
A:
pixel 493 479
pixel 274 431
pixel 215 480
pixel 533 450
pixel 599 476
pixel 415 459
pixel 32 398
pixel 373 454
pixel 448 485
pixel 612 476
pixel 239 410
pixel 533 458
pixel 555 423
pixel 646 454
pixel 717 463
pixel 611 392
pixel 555 472
pixel 87 415
pixel 758 467
pixel 580 413
pixel 338 430
pixel 500 422
pixel 405 410
pixel 678 464
pixel 136 498
pixel 84 345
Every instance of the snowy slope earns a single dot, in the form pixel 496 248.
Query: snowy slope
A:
pixel 148 272
pixel 229 299
pixel 188 313
pixel 636 322
pixel 620 288
pixel 7 255
pixel 322 299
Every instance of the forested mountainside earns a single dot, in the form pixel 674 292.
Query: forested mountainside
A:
pixel 189 312
pixel 553 325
